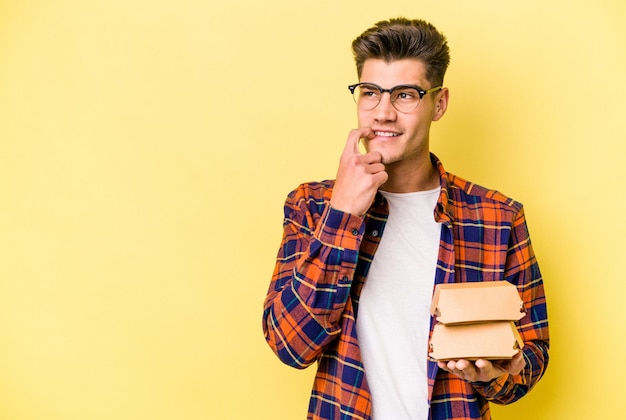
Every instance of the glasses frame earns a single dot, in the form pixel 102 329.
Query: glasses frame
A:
pixel 421 92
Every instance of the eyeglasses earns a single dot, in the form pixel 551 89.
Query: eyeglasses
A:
pixel 404 98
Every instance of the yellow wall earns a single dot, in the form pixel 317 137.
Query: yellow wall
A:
pixel 146 148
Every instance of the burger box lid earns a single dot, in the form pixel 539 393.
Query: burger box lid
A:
pixel 458 303
pixel 490 340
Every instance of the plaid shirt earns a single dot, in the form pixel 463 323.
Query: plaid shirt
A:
pixel 311 306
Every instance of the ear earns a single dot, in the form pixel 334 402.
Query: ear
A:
pixel 441 103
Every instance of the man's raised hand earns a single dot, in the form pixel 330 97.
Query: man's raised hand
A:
pixel 359 175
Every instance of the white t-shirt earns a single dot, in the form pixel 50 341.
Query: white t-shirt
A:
pixel 393 319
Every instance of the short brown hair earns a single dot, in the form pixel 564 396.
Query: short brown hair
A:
pixel 400 38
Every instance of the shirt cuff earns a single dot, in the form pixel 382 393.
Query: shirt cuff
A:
pixel 491 389
pixel 340 229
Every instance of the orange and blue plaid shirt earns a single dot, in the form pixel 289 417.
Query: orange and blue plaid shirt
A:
pixel 311 307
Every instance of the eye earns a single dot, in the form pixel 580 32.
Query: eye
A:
pixel 406 94
pixel 368 91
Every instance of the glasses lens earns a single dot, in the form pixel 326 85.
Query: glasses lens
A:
pixel 405 99
pixel 366 96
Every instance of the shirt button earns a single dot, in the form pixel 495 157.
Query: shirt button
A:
pixel 355 232
pixel 375 233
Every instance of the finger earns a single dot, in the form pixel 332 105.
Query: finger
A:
pixel 375 168
pixel 462 364
pixel 355 136
pixel 380 177
pixel 372 157
pixel 513 366
pixel 517 364
pixel 469 371
pixel 482 363
pixel 460 367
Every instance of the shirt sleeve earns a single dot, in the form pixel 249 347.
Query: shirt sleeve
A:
pixel 312 278
pixel 523 271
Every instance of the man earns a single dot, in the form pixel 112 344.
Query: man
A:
pixel 360 255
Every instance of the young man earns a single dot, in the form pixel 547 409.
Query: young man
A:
pixel 360 255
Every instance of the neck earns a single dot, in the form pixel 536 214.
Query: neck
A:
pixel 405 177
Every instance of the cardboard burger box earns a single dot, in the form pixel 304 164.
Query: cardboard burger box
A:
pixel 476 321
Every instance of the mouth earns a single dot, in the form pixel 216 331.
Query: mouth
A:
pixel 386 134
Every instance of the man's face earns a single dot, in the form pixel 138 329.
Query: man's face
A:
pixel 401 138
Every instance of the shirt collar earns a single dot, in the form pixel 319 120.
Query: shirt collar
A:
pixel 442 208
pixel 442 211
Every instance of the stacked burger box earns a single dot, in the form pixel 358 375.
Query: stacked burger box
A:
pixel 475 321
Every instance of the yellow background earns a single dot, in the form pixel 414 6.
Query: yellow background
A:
pixel 146 148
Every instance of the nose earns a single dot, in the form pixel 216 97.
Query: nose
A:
pixel 385 111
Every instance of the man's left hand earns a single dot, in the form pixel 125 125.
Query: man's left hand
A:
pixel 484 370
